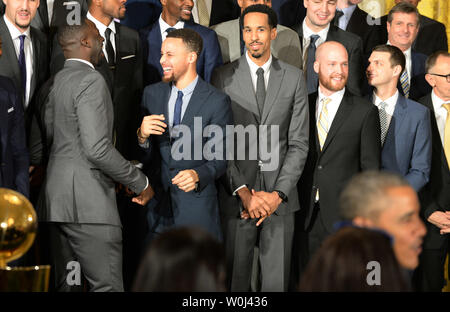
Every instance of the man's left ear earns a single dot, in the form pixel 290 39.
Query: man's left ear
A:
pixel 397 70
pixel 192 57
pixel 273 33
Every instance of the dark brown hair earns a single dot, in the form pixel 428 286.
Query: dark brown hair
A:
pixel 191 39
pixel 397 56
pixel 431 60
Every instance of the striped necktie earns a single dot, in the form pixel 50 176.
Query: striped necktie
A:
pixel 383 121
pixel 203 15
pixel 322 124
pixel 447 134
pixel 405 84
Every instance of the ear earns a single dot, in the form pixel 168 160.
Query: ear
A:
pixel 397 70
pixel 240 3
pixel 84 42
pixel 163 2
pixel 388 27
pixel 316 67
pixel 273 33
pixel 97 3
pixel 192 58
pixel 430 79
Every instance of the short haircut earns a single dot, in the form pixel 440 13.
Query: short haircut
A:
pixel 396 55
pixel 431 60
pixel 191 39
pixel 260 8
pixel 67 34
pixel 366 194
pixel 403 7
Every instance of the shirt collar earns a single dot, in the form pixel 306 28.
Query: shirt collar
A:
pixel 335 97
pixel 100 26
pixel 407 53
pixel 254 67
pixel 307 32
pixel 189 89
pixel 348 11
pixel 82 61
pixel 163 25
pixel 390 101
pixel 437 101
pixel 15 33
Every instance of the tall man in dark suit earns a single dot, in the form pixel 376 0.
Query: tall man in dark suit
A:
pixel 80 199
pixel 177 14
pixel 435 196
pixel 180 114
pixel 315 30
pixel 14 153
pixel 258 196
pixel 405 124
pixel 402 27
pixel 344 140
pixel 432 34
pixel 351 18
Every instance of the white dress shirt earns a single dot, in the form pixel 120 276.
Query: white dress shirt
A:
pixel 307 32
pixel 82 61
pixel 50 4
pixel 407 54
pixel 390 107
pixel 101 29
pixel 195 9
pixel 441 114
pixel 333 106
pixel 164 26
pixel 254 68
pixel 28 50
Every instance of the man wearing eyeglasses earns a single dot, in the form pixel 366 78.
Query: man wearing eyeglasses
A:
pixel 435 197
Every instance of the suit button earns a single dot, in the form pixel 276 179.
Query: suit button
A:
pixel 319 167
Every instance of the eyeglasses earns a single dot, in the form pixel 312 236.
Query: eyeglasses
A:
pixel 446 76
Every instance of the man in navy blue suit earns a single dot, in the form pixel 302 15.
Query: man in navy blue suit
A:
pixel 178 113
pixel 403 27
pixel 405 124
pixel 13 151
pixel 177 14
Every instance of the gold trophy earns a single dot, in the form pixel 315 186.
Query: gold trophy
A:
pixel 18 226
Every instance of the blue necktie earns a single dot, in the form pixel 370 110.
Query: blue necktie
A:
pixel 170 29
pixel 177 113
pixel 311 76
pixel 22 65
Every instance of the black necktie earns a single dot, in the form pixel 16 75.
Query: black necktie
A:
pixel 311 76
pixel 109 49
pixel 177 111
pixel 260 90
pixel 23 65
pixel 337 17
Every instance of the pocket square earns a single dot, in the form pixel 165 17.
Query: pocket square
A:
pixel 70 3
pixel 128 56
pixel 11 109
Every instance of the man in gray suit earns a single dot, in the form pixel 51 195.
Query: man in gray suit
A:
pixel 286 46
pixel 83 165
pixel 258 196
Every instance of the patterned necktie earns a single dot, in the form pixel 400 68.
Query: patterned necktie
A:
pixel 177 113
pixel 23 65
pixel 337 17
pixel 311 76
pixel 109 48
pixel 260 90
pixel 170 29
pixel 447 134
pixel 405 84
pixel 383 121
pixel 203 16
pixel 322 124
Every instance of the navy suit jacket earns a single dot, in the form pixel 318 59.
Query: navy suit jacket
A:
pixel 14 153
pixel 213 107
pixel 419 87
pixel 407 147
pixel 209 59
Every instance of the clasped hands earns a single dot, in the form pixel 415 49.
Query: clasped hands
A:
pixel 441 220
pixel 258 204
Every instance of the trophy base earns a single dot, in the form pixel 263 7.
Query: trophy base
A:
pixel 25 279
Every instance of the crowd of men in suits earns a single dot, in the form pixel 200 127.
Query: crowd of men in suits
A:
pixel 93 112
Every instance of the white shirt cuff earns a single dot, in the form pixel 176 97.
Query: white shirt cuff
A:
pixel 242 186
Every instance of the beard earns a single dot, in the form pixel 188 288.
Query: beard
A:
pixel 168 78
pixel 328 83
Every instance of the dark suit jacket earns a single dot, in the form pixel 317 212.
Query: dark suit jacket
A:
pixel 407 147
pixel 213 107
pixel 432 35
pixel 141 14
pixel 290 12
pixel 14 154
pixel 125 85
pixel 435 196
pixel 419 87
pixel 9 65
pixel 354 47
pixel 223 10
pixel 358 25
pixel 352 145
pixel 209 58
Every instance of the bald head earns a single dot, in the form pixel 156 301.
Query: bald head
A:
pixel 332 67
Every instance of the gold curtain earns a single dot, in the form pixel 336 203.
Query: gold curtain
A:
pixel 435 9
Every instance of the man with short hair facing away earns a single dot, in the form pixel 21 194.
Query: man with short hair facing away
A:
pixel 405 124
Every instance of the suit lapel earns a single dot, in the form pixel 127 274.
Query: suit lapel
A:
pixel 36 57
pixel 274 85
pixel 341 115
pixel 117 38
pixel 9 57
pixel 396 121
pixel 245 84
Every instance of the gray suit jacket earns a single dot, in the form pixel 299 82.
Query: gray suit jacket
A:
pixel 83 163
pixel 286 107
pixel 285 47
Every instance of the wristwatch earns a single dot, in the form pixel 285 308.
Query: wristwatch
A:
pixel 283 196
